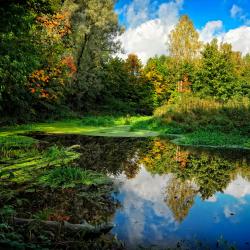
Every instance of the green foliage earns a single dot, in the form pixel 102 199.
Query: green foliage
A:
pixel 22 163
pixel 32 75
pixel 160 74
pixel 205 137
pixel 44 6
pixel 43 214
pixel 217 75
pixel 95 26
pixel 125 88
pixel 16 141
pixel 102 121
pixel 109 121
pixel 5 213
pixel 19 56
pixel 70 177
pixel 54 152
pixel 184 42
pixel 193 113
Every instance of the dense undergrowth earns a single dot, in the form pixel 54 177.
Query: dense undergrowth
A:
pixel 193 113
pixel 202 121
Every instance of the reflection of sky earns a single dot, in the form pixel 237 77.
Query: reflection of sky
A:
pixel 145 219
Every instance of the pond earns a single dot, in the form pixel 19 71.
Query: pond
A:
pixel 171 196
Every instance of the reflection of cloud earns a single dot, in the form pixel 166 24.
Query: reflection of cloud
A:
pixel 144 208
pixel 228 212
pixel 232 211
pixel 211 199
pixel 238 188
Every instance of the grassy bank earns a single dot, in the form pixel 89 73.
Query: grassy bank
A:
pixel 195 121
pixel 95 126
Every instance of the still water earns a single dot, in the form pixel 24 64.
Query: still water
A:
pixel 171 196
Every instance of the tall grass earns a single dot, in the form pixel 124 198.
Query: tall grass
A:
pixel 193 113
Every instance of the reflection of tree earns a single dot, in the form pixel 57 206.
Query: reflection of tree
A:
pixel 131 168
pixel 109 155
pixel 210 170
pixel 211 174
pixel 159 156
pixel 181 157
pixel 180 197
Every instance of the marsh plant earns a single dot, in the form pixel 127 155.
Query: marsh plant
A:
pixel 70 177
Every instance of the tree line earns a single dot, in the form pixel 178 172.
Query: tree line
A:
pixel 57 59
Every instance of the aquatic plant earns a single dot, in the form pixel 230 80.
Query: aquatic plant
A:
pixel 69 177
pixel 16 141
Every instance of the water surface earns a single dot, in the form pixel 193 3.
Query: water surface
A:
pixel 172 196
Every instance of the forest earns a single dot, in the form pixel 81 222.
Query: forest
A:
pixel 58 61
pixel 60 74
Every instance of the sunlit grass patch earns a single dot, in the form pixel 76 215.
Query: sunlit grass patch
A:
pixel 110 121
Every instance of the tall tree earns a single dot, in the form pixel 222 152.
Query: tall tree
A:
pixel 184 48
pixel 159 73
pixel 133 65
pixel 216 77
pixel 184 44
pixel 95 26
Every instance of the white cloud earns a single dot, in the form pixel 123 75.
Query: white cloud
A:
pixel 210 30
pixel 138 194
pixel 169 12
pixel 137 12
pixel 239 37
pixel 235 11
pixel 238 12
pixel 149 38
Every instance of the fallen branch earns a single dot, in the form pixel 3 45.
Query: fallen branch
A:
pixel 85 229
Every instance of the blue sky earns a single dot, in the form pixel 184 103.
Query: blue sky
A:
pixel 149 22
pixel 201 11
